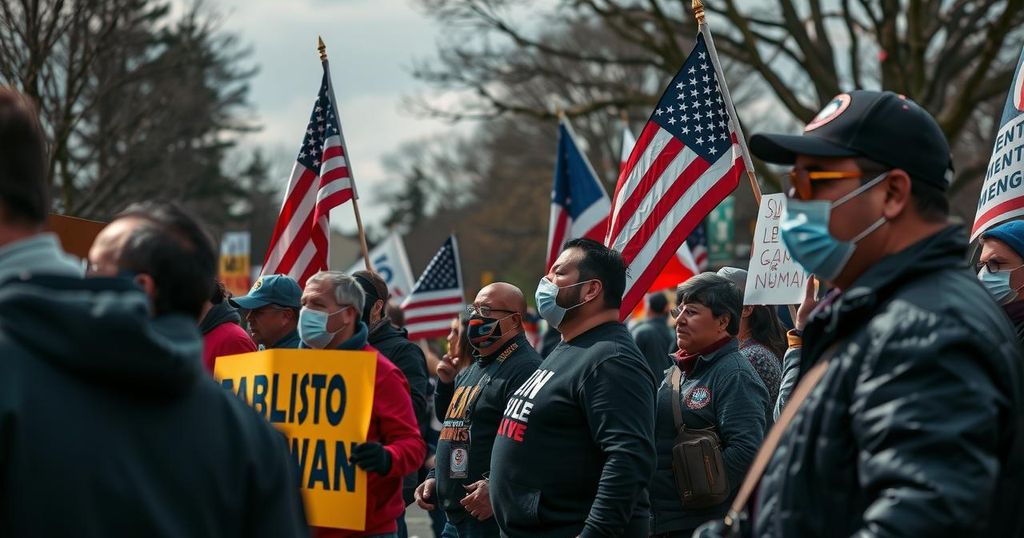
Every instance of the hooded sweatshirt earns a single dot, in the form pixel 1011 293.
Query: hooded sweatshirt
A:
pixel 222 334
pixel 110 427
pixel 39 254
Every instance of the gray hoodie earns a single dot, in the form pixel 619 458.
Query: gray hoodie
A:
pixel 39 254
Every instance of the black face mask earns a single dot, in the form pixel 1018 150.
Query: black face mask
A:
pixel 484 332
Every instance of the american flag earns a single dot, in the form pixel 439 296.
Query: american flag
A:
pixel 698 244
pixel 436 297
pixel 686 161
pixel 320 180
pixel 579 203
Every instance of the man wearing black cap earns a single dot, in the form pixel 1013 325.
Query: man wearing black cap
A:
pixel 916 427
pixel 394 344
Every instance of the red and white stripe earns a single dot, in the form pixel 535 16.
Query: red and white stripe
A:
pixel 430 314
pixel 299 245
pixel 663 193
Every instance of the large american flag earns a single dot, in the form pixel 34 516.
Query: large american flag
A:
pixel 436 297
pixel 320 180
pixel 686 161
pixel 579 203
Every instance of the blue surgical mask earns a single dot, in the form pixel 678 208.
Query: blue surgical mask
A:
pixel 998 284
pixel 313 327
pixel 547 303
pixel 804 230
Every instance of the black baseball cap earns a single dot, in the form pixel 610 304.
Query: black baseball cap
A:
pixel 884 127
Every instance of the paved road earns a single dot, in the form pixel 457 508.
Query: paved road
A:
pixel 418 522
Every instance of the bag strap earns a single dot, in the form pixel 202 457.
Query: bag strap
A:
pixel 771 441
pixel 675 379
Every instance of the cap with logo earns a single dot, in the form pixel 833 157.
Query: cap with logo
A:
pixel 281 290
pixel 881 126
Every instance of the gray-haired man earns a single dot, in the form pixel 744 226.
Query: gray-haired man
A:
pixel 329 319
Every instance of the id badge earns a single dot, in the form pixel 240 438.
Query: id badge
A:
pixel 458 465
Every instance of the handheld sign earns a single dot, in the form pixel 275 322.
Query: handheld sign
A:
pixel 321 401
pixel 1002 193
pixel 773 277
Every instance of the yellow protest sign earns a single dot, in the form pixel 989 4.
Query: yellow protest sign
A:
pixel 320 400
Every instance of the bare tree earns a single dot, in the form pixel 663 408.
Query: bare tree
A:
pixel 951 56
pixel 135 105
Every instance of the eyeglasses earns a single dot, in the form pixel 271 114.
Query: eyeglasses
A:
pixel 484 311
pixel 800 180
pixel 993 266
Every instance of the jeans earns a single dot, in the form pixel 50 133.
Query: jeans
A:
pixel 472 528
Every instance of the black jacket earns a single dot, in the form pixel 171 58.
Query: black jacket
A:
pixel 394 344
pixel 110 427
pixel 575 449
pixel 471 409
pixel 723 391
pixel 917 427
pixel 655 340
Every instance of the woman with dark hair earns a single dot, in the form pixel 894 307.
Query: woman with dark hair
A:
pixel 711 411
pixel 762 337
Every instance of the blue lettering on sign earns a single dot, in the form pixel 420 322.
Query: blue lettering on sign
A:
pixel 276 415
pixel 319 469
pixel 383 268
pixel 259 394
pixel 336 386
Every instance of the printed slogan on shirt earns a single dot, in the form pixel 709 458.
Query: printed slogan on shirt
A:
pixel 320 400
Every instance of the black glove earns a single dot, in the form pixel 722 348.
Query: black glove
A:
pixel 371 457
pixel 716 528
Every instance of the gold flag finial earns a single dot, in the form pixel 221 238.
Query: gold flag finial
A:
pixel 698 11
pixel 323 48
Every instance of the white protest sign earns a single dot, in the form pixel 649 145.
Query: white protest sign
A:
pixel 773 277
pixel 390 262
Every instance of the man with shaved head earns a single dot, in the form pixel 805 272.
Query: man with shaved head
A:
pixel 472 408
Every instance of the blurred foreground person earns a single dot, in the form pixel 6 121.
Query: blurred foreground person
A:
pixel 110 426
pixel 908 419
pixel 24 196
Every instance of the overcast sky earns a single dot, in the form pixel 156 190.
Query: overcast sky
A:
pixel 371 45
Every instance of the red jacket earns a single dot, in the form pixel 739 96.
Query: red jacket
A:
pixel 225 339
pixel 393 424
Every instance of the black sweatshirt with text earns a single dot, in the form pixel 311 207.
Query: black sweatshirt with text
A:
pixel 575 449
pixel 471 409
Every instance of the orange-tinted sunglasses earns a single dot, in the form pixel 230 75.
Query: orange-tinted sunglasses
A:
pixel 800 180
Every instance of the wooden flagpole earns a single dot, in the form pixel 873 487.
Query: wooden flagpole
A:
pixel 322 48
pixel 755 187
pixel 702 27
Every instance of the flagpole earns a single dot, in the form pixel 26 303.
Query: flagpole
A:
pixel 322 48
pixel 702 27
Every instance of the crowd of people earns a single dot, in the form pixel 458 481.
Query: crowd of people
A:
pixel 893 405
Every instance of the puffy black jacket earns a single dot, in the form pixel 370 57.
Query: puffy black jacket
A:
pixel 110 427
pixel 916 428
pixel 394 344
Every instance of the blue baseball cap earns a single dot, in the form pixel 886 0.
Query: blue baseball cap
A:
pixel 281 290
pixel 1011 233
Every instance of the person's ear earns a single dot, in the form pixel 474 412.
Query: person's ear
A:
pixel 897 194
pixel 747 310
pixel 147 284
pixel 377 312
pixel 723 321
pixel 594 289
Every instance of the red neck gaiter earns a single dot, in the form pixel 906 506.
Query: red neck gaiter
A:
pixel 687 360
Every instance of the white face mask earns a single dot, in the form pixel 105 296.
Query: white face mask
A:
pixel 313 327
pixel 547 303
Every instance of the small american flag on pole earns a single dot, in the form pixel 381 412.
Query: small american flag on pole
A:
pixel 320 180
pixel 686 161
pixel 436 297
